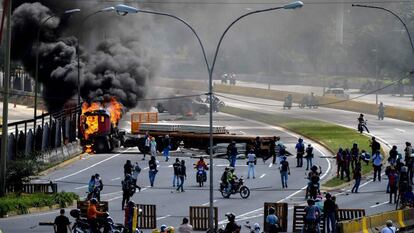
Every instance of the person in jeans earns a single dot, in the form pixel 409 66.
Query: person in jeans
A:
pixel 377 163
pixel 182 175
pixel 176 180
pixel 284 171
pixel 62 224
pixel 309 156
pixel 147 145
pixel 329 210
pixel 357 177
pixel 312 216
pixel 251 162
pixel 152 171
pixel 167 146
pixel 300 151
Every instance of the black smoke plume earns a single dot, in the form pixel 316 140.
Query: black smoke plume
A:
pixel 117 67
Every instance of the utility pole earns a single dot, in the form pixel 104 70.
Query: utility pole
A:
pixel 6 80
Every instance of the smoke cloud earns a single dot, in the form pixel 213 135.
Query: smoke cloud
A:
pixel 116 66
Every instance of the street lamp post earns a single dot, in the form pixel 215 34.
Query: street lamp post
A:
pixel 394 14
pixel 124 9
pixel 43 22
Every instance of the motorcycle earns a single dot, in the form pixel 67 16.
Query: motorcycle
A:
pixel 287 104
pixel 313 187
pixel 81 224
pixel 236 187
pixel 362 125
pixel 201 176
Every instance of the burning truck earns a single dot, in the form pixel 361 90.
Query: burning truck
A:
pixel 98 125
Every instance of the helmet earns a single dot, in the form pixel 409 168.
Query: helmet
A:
pixel 94 201
pixel 163 228
pixel 314 168
pixel 230 216
pixel 256 226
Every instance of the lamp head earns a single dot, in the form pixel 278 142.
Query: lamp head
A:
pixel 124 9
pixel 68 12
pixel 293 5
pixel 108 9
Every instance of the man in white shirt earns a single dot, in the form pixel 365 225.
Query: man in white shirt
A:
pixel 251 162
pixel 389 228
pixel 185 227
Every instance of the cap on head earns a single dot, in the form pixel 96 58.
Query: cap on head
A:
pixel 230 216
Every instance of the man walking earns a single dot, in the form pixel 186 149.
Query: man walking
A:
pixel 251 162
pixel 232 150
pixel 357 177
pixel 300 151
pixel 62 224
pixel 329 210
pixel 176 165
pixel 182 174
pixel 152 165
pixel 167 146
pixel 309 156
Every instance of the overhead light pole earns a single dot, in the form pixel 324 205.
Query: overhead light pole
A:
pixel 394 14
pixel 36 89
pixel 124 9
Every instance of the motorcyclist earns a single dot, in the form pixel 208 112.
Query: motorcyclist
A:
pixel 224 178
pixel 231 178
pixel 314 177
pixel 94 216
pixel 231 226
pixel 381 111
pixel 201 164
pixel 362 123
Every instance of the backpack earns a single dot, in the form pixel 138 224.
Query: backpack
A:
pixel 284 166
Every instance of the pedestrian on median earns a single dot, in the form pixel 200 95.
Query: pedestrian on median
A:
pixel 357 177
pixel 300 151
pixel 185 227
pixel 375 146
pixel 152 171
pixel 346 157
pixel 329 211
pixel 251 162
pixel 284 171
pixel 62 223
pixel 389 228
pixel 392 159
pixel 167 147
pixel 147 144
pixel 176 180
pixel 339 161
pixel 354 155
pixel 182 174
pixel 153 147
pixel 377 163
pixel 365 156
pixel 309 156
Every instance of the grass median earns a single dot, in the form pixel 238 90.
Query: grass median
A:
pixel 330 135
pixel 20 204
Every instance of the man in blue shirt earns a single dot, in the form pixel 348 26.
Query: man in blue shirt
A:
pixel 300 151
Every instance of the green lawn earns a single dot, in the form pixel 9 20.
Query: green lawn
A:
pixel 330 135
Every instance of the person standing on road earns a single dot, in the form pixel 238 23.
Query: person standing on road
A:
pixel 135 172
pixel 408 151
pixel 392 159
pixel 284 171
pixel 152 171
pixel 273 221
pixel 153 147
pixel 182 174
pixel 128 168
pixel 309 156
pixel 258 146
pixel 300 151
pixel 381 111
pixel 176 180
pixel 98 186
pixel 274 149
pixel 354 155
pixel 329 211
pixel 233 153
pixel 128 189
pixel 167 146
pixel 377 163
pixel 312 216
pixel 393 181
pixel 389 228
pixel 147 144
pixel 251 162
pixel 346 160
pixel 62 223
pixel 357 177
pixel 185 227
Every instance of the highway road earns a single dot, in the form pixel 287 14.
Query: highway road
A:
pixel 265 188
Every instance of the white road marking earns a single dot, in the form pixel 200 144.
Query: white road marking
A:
pixel 207 203
pixel 166 216
pixel 263 175
pixel 81 187
pixel 117 178
pixel 380 204
pixel 170 165
pixel 225 165
pixel 93 165
pixel 271 165
pixel 401 130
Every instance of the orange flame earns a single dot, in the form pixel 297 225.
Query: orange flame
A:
pixel 115 109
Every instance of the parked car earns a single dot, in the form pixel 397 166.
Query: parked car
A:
pixel 338 93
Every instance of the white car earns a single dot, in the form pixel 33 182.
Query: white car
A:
pixel 338 93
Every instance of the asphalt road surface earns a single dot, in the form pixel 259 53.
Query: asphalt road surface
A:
pixel 171 205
